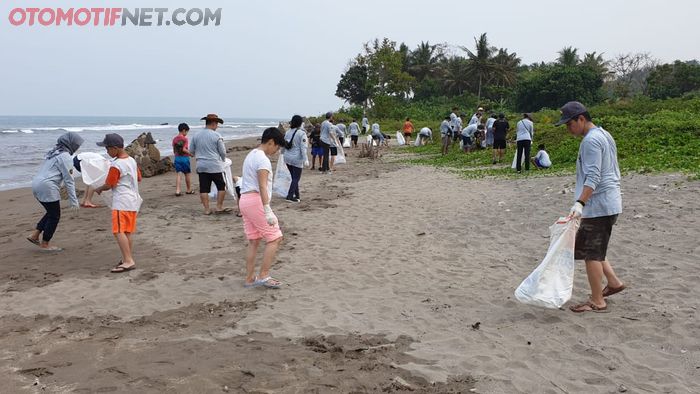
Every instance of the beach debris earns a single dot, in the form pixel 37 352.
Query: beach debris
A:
pixel 402 383
pixel 622 389
pixel 476 326
pixel 147 156
pixel 420 234
pixel 654 186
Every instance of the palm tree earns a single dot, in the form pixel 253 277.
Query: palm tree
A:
pixel 568 56
pixel 506 73
pixel 455 72
pixel 481 64
pixel 424 60
pixel 597 63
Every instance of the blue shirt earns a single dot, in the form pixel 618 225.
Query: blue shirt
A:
pixel 598 169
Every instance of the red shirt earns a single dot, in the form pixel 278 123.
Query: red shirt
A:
pixel 180 138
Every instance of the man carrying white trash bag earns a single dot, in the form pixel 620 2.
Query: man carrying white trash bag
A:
pixel 598 203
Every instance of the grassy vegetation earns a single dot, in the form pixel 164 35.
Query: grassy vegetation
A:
pixel 651 136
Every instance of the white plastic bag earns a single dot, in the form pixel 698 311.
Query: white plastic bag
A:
pixel 346 142
pixel 282 180
pixel 550 285
pixel 400 139
pixel 228 179
pixel 515 160
pixel 340 157
pixel 94 168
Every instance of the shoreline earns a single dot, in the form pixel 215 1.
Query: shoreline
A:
pixel 387 270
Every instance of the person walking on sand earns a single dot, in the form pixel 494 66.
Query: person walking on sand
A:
pixel 316 148
pixel 525 131
pixel 182 159
pixel 500 129
pixel 56 169
pixel 598 203
pixel 408 130
pixel 365 125
pixel 209 151
pixel 295 155
pixel 123 179
pixel 259 222
pixel 354 129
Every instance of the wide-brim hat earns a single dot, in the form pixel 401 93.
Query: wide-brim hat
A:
pixel 213 117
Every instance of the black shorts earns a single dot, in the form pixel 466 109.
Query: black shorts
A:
pixel 353 138
pixel 499 144
pixel 456 136
pixel 593 237
pixel 334 151
pixel 206 179
pixel 407 133
pixel 375 137
pixel 341 139
pixel 466 141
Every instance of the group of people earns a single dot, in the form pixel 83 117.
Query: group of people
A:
pixel 598 198
pixel 491 132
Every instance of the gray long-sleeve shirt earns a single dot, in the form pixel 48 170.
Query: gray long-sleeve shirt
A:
pixel 208 149
pixel 326 128
pixel 46 184
pixel 296 155
pixel 524 130
pixel 598 169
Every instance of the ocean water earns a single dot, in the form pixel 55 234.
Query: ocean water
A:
pixel 24 140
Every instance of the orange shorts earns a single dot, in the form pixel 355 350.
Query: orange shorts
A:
pixel 123 222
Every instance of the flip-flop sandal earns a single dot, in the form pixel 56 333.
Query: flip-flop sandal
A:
pixel 34 241
pixel 238 214
pixel 120 268
pixel 207 213
pixel 251 285
pixel 51 249
pixel 608 291
pixel 192 192
pixel 269 282
pixel 224 211
pixel 588 307
pixel 178 194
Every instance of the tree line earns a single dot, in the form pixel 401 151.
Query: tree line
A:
pixel 387 75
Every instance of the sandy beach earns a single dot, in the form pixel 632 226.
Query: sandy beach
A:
pixel 397 278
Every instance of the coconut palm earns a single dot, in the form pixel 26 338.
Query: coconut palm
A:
pixel 425 60
pixel 568 56
pixel 506 73
pixel 597 63
pixel 455 73
pixel 481 64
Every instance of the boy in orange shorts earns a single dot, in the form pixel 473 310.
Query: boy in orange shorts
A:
pixel 123 179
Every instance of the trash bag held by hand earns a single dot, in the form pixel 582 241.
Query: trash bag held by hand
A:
pixel 282 180
pixel 550 285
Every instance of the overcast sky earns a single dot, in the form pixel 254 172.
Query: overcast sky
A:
pixel 278 57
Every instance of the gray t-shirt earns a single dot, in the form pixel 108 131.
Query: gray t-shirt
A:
pixel 598 169
pixel 209 151
pixel 354 128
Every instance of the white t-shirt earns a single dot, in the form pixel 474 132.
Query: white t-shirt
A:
pixel 543 158
pixel 426 132
pixel 125 195
pixel 254 162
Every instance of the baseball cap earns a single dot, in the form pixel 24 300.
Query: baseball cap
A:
pixel 569 111
pixel 115 140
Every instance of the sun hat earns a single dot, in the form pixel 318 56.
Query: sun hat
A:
pixel 215 117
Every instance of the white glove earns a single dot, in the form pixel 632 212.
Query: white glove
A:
pixel 73 209
pixel 576 210
pixel 306 163
pixel 269 215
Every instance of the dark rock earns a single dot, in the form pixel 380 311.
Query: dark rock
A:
pixel 147 156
